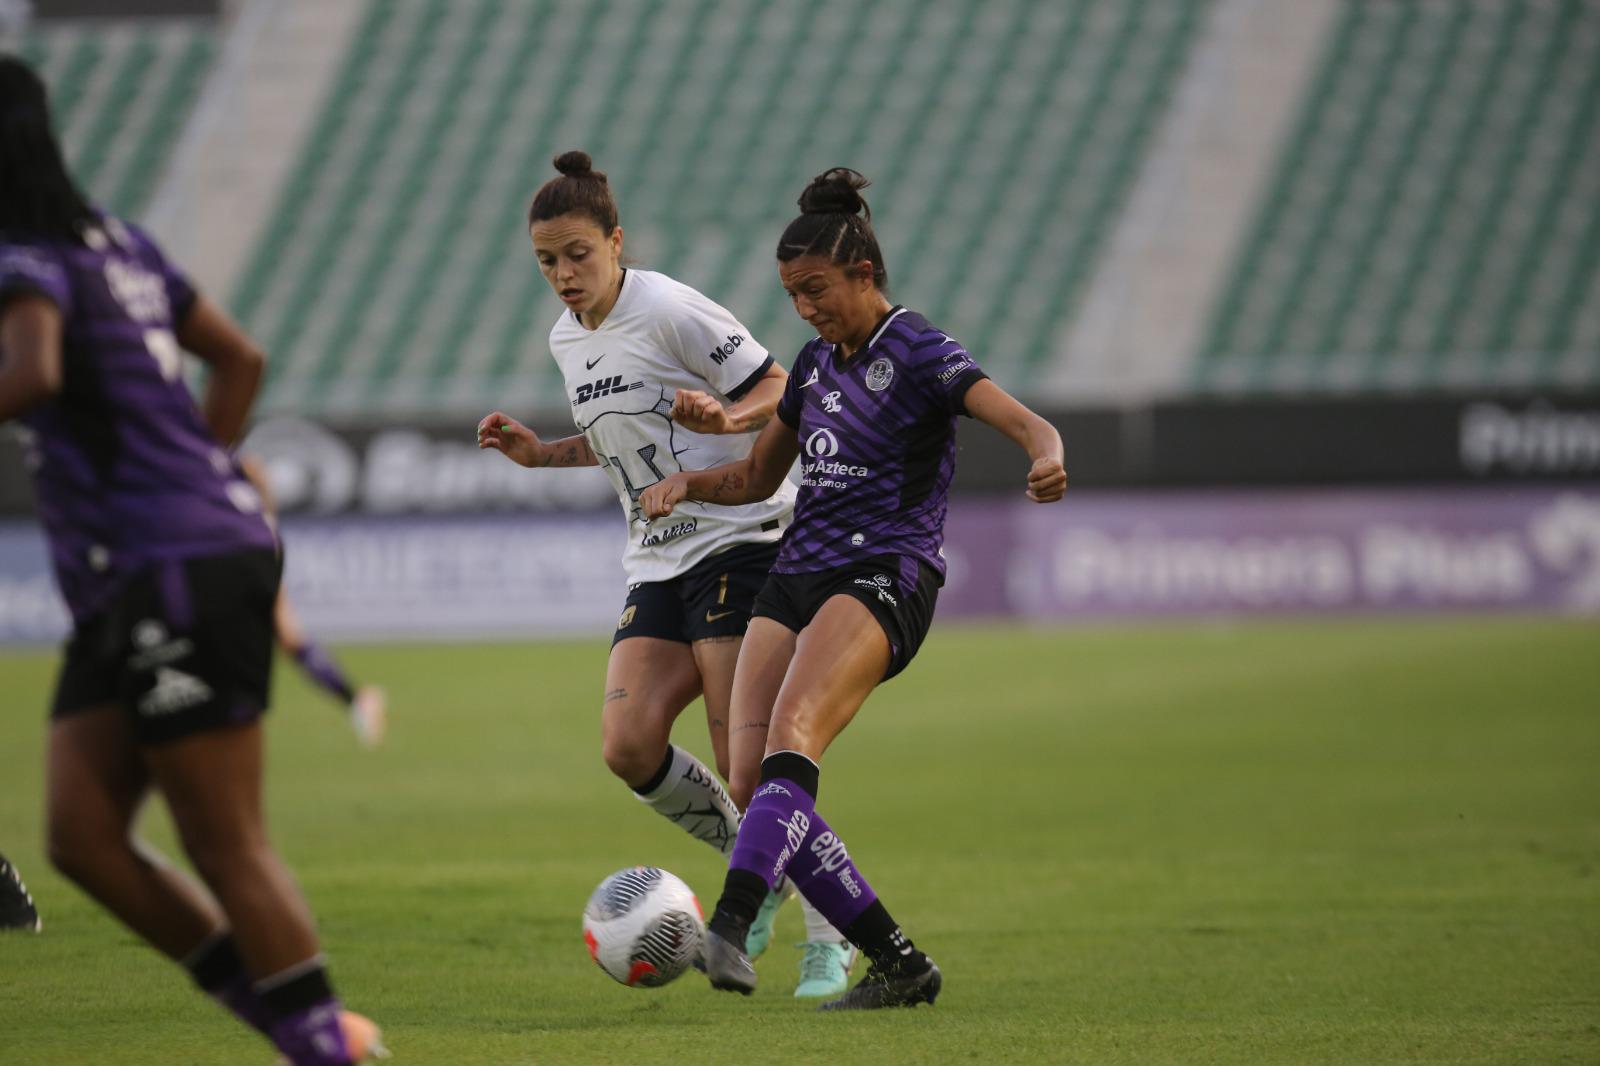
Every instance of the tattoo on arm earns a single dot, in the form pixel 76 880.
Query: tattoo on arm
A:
pixel 755 422
pixel 730 484
pixel 616 694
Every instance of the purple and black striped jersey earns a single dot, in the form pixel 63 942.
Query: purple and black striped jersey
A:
pixel 877 436
pixel 125 470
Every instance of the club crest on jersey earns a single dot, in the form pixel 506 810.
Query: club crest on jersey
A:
pixel 879 374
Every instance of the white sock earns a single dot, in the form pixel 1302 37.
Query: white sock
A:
pixel 817 927
pixel 693 798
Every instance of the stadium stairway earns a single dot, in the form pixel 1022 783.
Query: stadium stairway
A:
pixel 1002 137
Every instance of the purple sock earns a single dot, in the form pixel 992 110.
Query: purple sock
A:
pixel 773 830
pixel 320 667
pixel 220 973
pixel 825 874
pixel 312 1037
pixel 305 1015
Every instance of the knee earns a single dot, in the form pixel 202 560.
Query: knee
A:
pixel 76 849
pixel 631 756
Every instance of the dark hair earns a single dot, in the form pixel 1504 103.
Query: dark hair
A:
pixel 37 195
pixel 581 189
pixel 835 222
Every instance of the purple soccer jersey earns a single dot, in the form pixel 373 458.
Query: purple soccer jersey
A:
pixel 125 470
pixel 877 437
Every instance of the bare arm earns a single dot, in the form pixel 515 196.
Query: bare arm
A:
pixel 1047 478
pixel 704 413
pixel 522 445
pixel 30 354
pixel 237 366
pixel 751 479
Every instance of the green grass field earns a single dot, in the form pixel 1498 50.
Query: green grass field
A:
pixel 1292 843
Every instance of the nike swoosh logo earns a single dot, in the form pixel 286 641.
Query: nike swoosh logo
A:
pixel 590 366
pixel 717 617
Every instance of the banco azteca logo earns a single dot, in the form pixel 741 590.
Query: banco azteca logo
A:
pixel 822 444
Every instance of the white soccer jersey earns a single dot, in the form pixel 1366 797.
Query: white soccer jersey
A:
pixel 659 337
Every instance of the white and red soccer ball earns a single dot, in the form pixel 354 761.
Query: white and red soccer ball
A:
pixel 643 926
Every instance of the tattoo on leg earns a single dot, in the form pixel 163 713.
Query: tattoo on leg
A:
pixel 616 694
pixel 717 723
pixel 753 725
pixel 718 640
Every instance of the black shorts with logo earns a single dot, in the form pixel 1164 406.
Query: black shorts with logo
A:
pixel 711 599
pixel 185 647
pixel 899 591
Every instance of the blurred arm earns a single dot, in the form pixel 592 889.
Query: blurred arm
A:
pixel 236 365
pixel 30 354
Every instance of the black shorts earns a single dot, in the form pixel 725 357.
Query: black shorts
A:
pixel 899 591
pixel 185 647
pixel 712 599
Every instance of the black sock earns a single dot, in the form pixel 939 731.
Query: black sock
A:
pixel 659 776
pixel 883 942
pixel 791 766
pixel 215 964
pixel 300 992
pixel 742 895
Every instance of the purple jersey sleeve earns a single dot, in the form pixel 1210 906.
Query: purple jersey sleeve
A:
pixel 945 372
pixel 30 270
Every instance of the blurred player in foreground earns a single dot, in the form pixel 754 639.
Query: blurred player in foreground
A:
pixel 660 378
pixel 870 409
pixel 170 572
pixel 16 906
pixel 365 705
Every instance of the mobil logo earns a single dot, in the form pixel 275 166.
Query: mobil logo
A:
pixel 821 444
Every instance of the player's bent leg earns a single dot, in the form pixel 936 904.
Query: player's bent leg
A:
pixel 716 658
pixel 838 660
pixel 649 681
pixel 763 660
pixel 95 785
pixel 212 784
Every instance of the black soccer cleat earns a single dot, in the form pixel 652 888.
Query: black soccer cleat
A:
pixel 16 906
pixel 728 966
pixel 882 988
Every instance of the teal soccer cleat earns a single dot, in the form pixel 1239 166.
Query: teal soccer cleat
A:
pixel 760 934
pixel 824 969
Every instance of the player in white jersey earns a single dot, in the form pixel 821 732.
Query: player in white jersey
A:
pixel 661 379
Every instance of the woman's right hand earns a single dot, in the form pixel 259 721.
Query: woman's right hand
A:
pixel 659 499
pixel 512 439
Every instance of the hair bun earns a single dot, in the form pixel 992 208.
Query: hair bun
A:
pixel 837 192
pixel 577 165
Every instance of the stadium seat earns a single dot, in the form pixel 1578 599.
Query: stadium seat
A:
pixel 1433 219
pixel 395 273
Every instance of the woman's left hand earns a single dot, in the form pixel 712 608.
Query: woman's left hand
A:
pixel 701 412
pixel 1047 481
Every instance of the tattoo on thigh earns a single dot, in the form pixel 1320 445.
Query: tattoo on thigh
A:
pixel 753 725
pixel 616 694
pixel 718 640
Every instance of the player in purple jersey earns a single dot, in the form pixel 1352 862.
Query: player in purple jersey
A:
pixel 870 410
pixel 660 378
pixel 169 571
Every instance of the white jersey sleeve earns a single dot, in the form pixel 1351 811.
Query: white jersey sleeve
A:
pixel 712 344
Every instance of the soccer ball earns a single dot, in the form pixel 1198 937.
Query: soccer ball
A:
pixel 643 927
